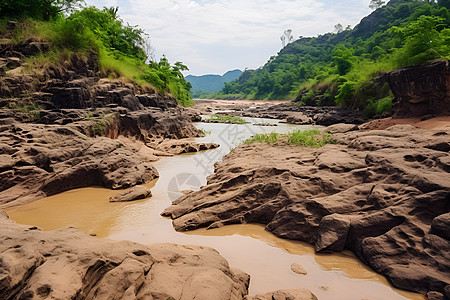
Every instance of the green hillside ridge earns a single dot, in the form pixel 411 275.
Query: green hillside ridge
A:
pixel 210 83
pixel 342 68
pixel 72 29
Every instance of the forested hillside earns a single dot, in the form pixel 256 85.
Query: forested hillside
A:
pixel 342 67
pixel 70 28
pixel 211 83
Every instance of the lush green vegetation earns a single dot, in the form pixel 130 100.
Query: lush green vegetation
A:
pixel 271 137
pixel 342 68
pixel 224 119
pixel 121 48
pixel 306 138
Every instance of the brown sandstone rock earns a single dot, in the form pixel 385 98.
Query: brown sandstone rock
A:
pixel 68 264
pixel 298 294
pixel 296 268
pixel 422 90
pixel 375 192
pixel 176 147
pixel 135 193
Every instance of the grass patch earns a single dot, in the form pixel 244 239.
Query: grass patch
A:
pixel 263 138
pixel 225 119
pixel 312 138
pixel 206 132
pixel 33 110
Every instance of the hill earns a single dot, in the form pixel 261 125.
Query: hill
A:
pixel 341 68
pixel 211 83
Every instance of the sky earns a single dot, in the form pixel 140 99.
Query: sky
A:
pixel 214 36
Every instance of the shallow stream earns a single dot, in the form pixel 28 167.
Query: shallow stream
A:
pixel 250 248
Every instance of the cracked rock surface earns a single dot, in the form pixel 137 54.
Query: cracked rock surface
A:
pixel 384 194
pixel 68 264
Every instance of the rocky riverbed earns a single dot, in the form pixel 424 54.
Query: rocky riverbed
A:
pixel 384 194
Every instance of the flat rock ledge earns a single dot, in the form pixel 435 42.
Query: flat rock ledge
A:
pixel 68 264
pixel 384 194
pixel 135 193
pixel 297 294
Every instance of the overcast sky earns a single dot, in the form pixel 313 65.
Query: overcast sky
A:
pixel 214 36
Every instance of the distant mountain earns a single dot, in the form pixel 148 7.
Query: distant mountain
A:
pixel 212 83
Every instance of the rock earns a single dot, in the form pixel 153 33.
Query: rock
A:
pixel 441 226
pixel 68 264
pixel 299 119
pixel 12 62
pixel 296 268
pixel 421 90
pixel 434 296
pixel 341 115
pixel 381 193
pixel 341 128
pixel 135 193
pixel 176 147
pixel 332 233
pixel 298 294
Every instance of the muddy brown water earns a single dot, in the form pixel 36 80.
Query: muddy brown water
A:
pixel 266 258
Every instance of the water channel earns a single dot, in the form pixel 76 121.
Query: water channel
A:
pixel 248 247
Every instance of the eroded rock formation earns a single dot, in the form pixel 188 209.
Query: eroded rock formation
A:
pixel 422 90
pixel 385 194
pixel 68 264
pixel 59 128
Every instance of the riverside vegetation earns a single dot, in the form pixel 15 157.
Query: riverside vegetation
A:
pixel 343 68
pixel 307 138
pixel 122 49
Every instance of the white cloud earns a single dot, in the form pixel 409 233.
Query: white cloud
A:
pixel 214 36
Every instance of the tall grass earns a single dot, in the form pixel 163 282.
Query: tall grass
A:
pixel 312 138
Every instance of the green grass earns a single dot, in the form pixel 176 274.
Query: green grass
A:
pixel 32 109
pixel 263 138
pixel 309 138
pixel 225 119
pixel 312 138
pixel 206 132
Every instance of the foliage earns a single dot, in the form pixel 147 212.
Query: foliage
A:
pixel 423 40
pixel 120 47
pixel 343 67
pixel 224 119
pixel 36 9
pixel 306 138
pixel 310 138
pixel 271 137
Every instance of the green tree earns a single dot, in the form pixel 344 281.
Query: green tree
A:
pixel 444 3
pixel 423 41
pixel 36 9
pixel 343 58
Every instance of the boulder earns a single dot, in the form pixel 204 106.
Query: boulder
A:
pixel 441 226
pixel 68 264
pixel 135 193
pixel 332 233
pixel 382 194
pixel 296 268
pixel 297 294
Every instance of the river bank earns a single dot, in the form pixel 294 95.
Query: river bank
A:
pixel 384 194
pixel 266 258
